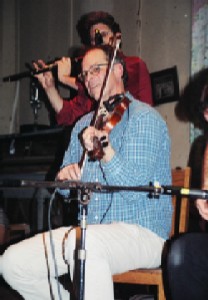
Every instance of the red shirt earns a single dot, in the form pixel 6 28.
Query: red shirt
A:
pixel 139 85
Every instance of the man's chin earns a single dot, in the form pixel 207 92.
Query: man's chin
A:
pixel 95 94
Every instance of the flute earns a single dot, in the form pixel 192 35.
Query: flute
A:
pixel 32 72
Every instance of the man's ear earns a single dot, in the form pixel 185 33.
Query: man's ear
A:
pixel 118 38
pixel 118 70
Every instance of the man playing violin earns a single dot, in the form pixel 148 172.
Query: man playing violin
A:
pixel 139 84
pixel 127 229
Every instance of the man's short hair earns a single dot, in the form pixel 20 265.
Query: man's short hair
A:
pixel 88 20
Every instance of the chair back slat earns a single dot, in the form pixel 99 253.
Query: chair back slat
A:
pixel 180 178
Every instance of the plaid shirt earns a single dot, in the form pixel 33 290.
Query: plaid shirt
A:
pixel 142 155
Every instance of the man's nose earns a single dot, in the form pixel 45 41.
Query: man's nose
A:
pixel 89 77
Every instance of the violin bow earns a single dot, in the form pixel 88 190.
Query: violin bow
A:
pixel 100 100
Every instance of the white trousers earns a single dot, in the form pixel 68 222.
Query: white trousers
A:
pixel 110 249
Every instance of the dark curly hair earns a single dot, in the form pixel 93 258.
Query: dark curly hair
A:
pixel 109 51
pixel 194 100
pixel 88 20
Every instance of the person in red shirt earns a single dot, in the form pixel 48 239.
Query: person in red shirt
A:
pixel 138 84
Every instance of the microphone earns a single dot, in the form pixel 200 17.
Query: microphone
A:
pixel 182 191
pixel 98 38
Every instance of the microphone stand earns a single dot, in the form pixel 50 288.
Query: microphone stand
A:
pixel 153 191
pixel 85 188
pixel 82 251
pixel 81 258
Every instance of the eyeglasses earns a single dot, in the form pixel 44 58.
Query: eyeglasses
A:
pixel 93 70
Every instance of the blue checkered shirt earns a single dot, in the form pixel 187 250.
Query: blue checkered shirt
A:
pixel 142 155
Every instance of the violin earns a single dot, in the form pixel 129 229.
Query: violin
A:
pixel 116 106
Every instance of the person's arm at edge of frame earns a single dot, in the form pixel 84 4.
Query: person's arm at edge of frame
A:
pixel 201 204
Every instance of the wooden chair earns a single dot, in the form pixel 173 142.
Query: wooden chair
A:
pixel 180 177
pixel 18 230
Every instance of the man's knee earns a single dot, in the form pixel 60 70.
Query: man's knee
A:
pixel 8 263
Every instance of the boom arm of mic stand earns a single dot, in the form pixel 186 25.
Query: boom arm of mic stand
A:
pixel 155 190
